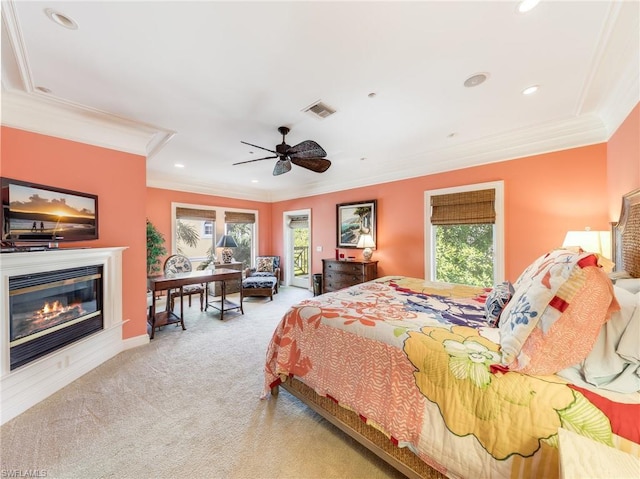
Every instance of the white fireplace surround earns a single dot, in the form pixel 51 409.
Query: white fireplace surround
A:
pixel 27 385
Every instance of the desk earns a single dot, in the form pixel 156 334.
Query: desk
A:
pixel 177 281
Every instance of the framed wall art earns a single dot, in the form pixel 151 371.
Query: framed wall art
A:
pixel 354 219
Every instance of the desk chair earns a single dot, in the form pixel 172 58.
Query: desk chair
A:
pixel 178 263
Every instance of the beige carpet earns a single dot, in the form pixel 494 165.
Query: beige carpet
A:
pixel 185 405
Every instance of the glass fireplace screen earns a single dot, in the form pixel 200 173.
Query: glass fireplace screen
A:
pixel 51 309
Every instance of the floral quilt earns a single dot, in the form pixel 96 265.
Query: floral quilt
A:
pixel 412 359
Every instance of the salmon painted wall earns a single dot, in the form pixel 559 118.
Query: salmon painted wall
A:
pixel 159 212
pixel 623 161
pixel 545 196
pixel 77 166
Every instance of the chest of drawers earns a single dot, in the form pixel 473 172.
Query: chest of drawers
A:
pixel 341 274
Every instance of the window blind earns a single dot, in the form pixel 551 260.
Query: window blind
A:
pixel 467 207
pixel 298 222
pixel 239 217
pixel 195 214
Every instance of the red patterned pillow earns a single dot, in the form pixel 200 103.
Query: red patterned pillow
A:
pixel 570 339
pixel 556 312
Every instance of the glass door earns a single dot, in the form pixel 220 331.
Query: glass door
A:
pixel 298 248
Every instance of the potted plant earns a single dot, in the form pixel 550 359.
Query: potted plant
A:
pixel 155 251
pixel 155 248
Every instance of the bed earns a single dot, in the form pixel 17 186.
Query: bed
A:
pixel 444 380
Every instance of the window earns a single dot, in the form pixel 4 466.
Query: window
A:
pixel 198 228
pixel 241 225
pixel 207 229
pixel 464 234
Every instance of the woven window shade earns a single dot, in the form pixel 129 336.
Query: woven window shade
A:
pixel 468 207
pixel 298 222
pixel 195 214
pixel 239 217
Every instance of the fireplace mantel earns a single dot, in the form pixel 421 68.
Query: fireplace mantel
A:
pixel 27 385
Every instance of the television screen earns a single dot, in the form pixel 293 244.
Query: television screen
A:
pixel 42 213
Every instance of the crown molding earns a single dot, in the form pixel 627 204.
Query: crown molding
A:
pixel 622 100
pixel 210 189
pixel 42 114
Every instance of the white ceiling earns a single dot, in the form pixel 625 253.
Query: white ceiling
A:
pixel 185 82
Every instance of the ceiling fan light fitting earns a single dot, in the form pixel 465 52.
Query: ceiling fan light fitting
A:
pixel 307 154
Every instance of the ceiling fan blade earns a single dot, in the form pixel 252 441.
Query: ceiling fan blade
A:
pixel 257 159
pixel 265 149
pixel 306 149
pixel 319 165
pixel 282 166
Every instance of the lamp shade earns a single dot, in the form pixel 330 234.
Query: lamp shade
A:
pixel 227 241
pixel 365 241
pixel 590 241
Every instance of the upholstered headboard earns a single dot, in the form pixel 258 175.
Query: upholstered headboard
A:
pixel 626 235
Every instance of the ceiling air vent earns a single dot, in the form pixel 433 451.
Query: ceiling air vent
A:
pixel 320 110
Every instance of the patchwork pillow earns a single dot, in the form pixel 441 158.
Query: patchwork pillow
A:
pixel 556 312
pixel 497 299
pixel 265 265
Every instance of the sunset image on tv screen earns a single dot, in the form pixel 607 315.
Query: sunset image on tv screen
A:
pixel 52 214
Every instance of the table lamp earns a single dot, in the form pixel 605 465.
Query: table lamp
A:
pixel 366 241
pixel 598 242
pixel 227 242
pixel 590 241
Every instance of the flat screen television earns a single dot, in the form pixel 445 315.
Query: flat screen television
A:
pixel 41 214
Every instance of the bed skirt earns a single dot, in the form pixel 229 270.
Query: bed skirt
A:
pixel 349 422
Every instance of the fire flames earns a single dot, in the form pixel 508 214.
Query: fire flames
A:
pixel 57 310
pixel 55 306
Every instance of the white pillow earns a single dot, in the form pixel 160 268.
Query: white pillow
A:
pixel 614 362
pixel 630 284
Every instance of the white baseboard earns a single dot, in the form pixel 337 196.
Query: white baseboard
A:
pixel 136 341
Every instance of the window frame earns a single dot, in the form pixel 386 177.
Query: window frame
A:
pixel 220 224
pixel 498 236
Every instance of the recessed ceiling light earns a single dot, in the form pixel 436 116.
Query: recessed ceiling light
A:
pixel 476 79
pixel 254 181
pixel 451 135
pixel 372 95
pixel 178 165
pixel 531 90
pixel 363 158
pixel 61 19
pixel 43 89
pixel 527 5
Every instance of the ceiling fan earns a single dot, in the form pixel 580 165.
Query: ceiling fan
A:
pixel 307 154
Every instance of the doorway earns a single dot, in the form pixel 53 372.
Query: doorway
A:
pixel 297 235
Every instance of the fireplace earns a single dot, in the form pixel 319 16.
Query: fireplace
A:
pixel 50 310
pixel 60 317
